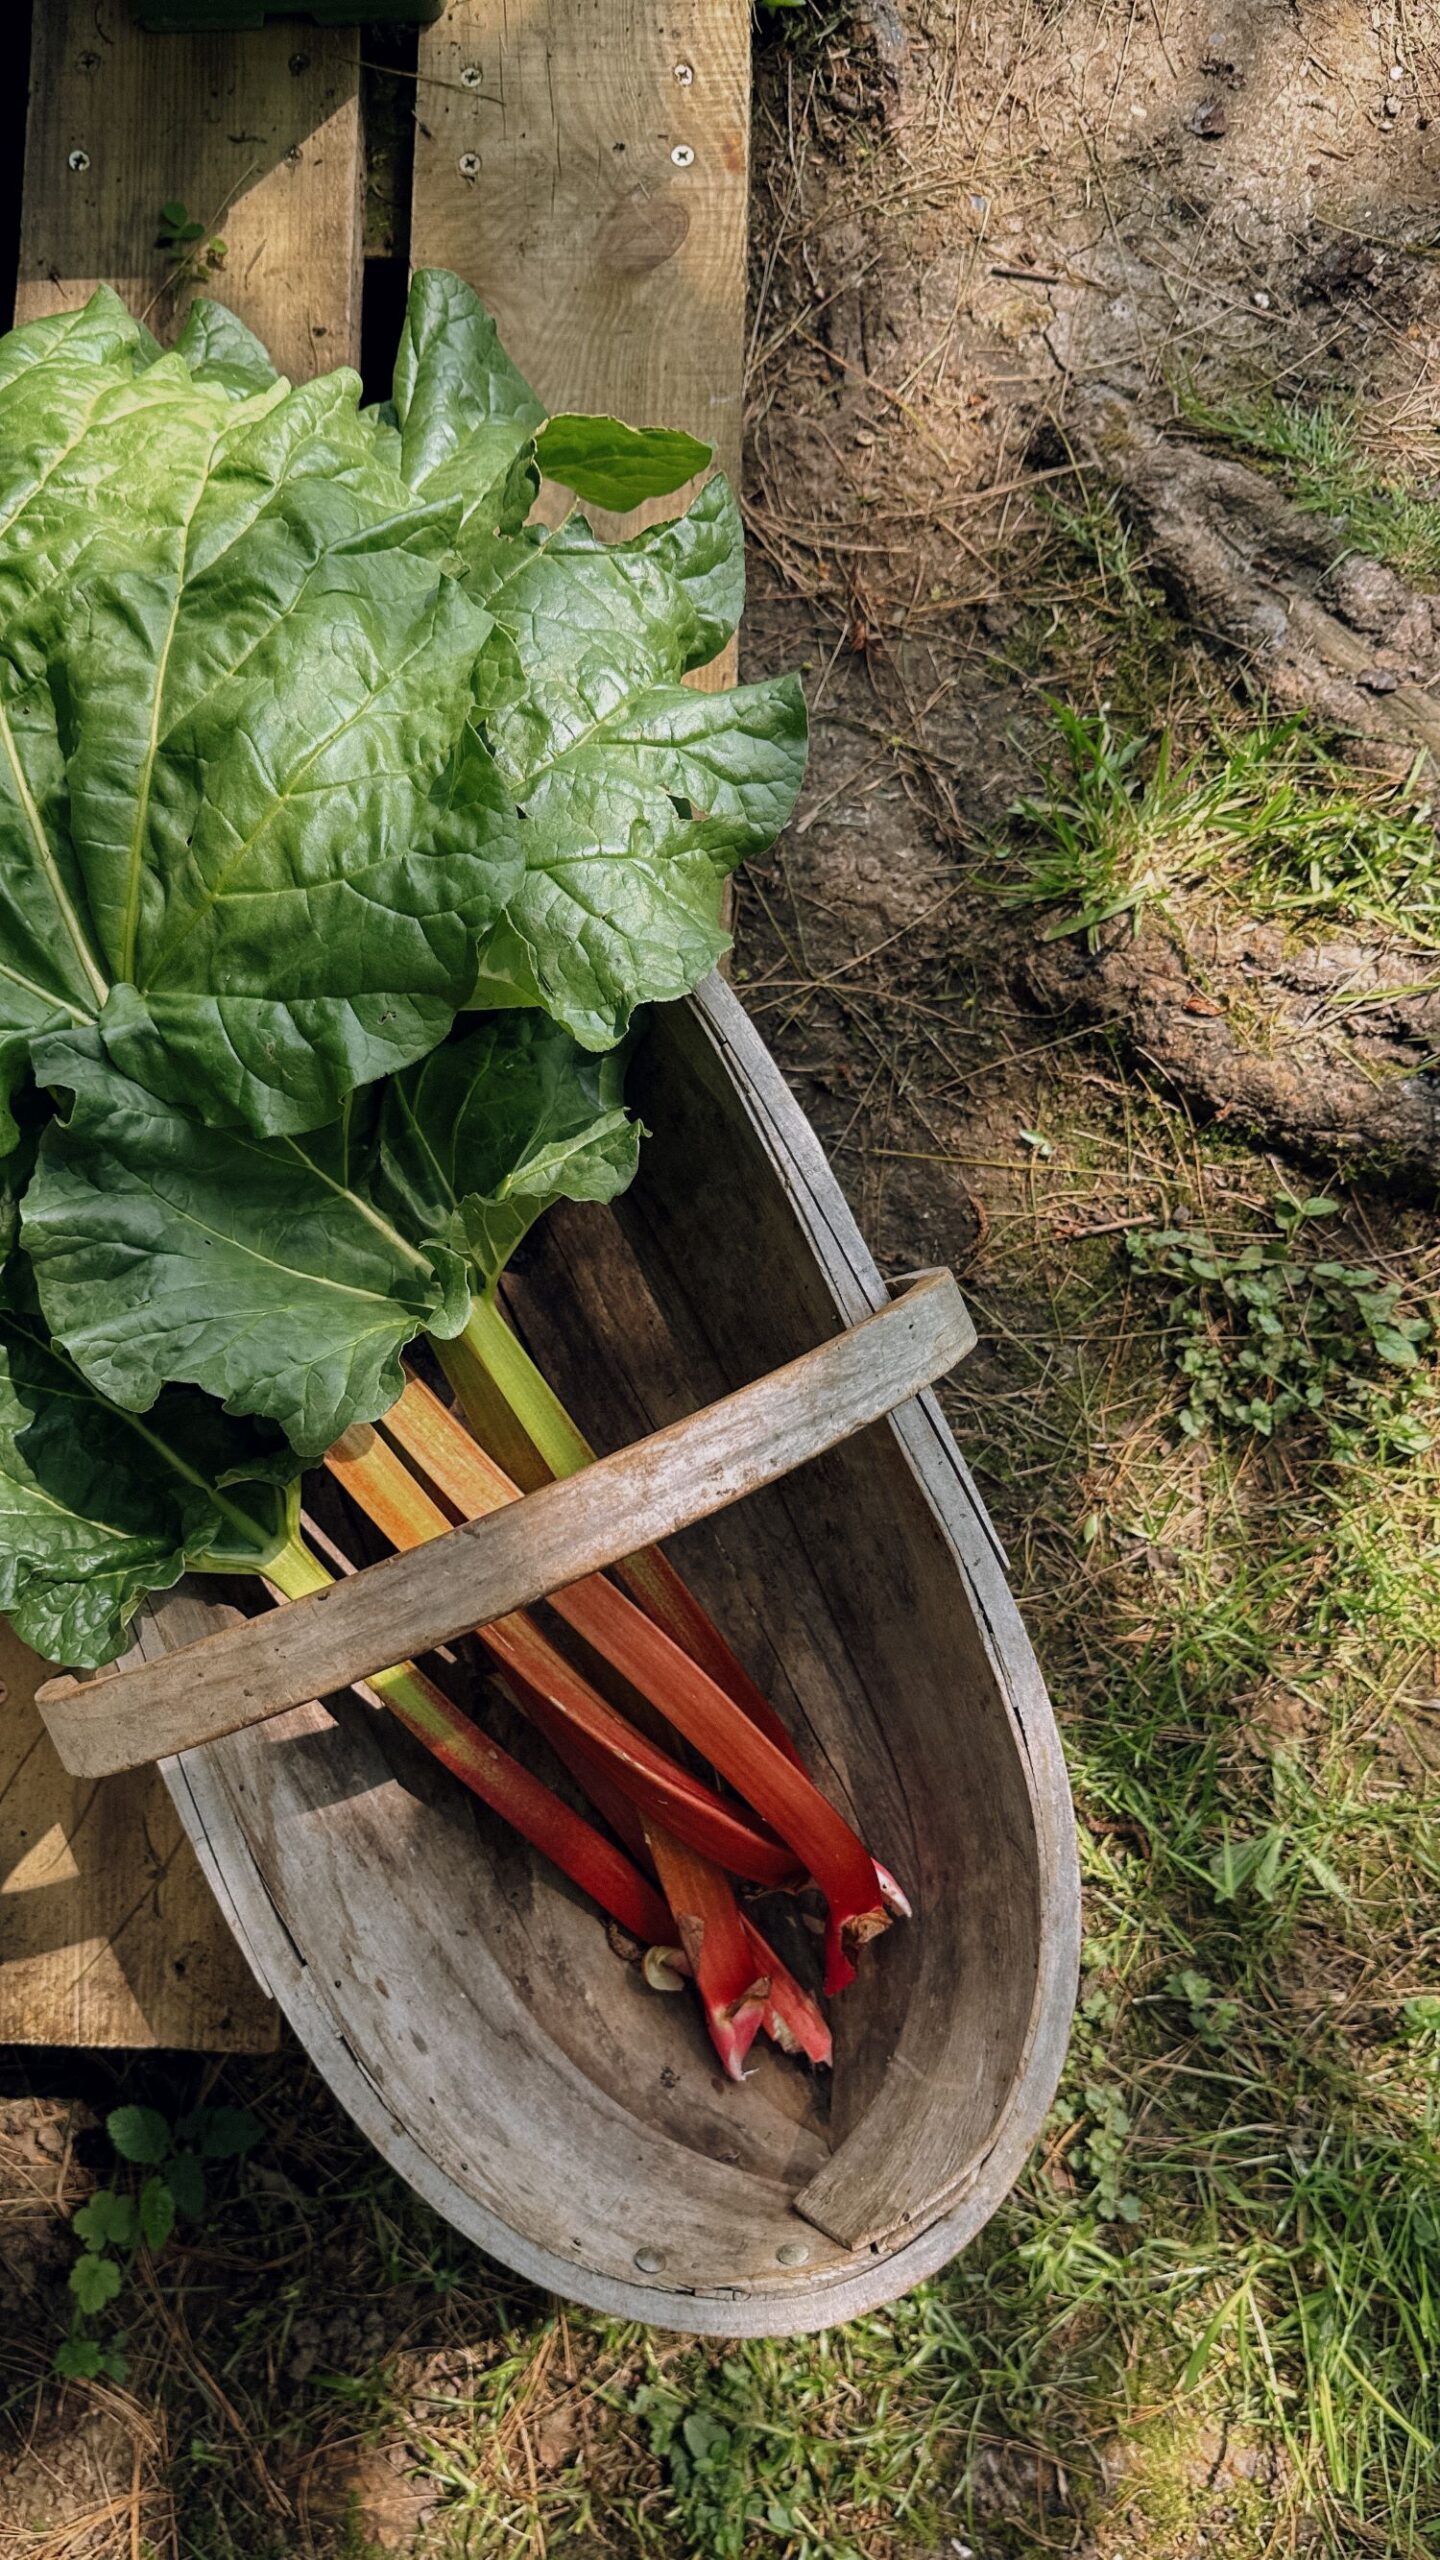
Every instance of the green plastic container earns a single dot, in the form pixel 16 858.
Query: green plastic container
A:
pixel 211 17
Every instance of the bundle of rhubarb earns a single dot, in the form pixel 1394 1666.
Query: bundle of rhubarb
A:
pixel 347 819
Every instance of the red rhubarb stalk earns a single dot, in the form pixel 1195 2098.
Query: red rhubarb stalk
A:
pixel 482 1365
pixel 588 1768
pixel 780 1792
pixel 791 2018
pixel 405 1514
pixel 530 1807
pixel 524 1801
pixel 721 1953
pixel 767 1777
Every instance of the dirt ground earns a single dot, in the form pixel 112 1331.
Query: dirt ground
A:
pixel 965 220
pixel 963 227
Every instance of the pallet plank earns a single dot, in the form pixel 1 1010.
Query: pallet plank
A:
pixel 257 135
pixel 584 165
pixel 109 1934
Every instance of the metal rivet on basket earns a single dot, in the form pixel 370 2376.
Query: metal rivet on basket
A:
pixel 682 155
pixel 469 164
pixel 649 2261
pixel 77 161
pixel 684 73
pixel 793 2253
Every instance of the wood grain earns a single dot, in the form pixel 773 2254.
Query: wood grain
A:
pixel 257 135
pixel 487 1567
pixel 108 1932
pixel 563 2127
pixel 584 165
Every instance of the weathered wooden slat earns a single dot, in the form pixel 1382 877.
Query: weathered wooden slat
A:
pixel 584 165
pixel 108 1931
pixel 257 135
pixel 487 1567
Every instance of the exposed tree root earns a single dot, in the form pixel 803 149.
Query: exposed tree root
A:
pixel 1340 1070
pixel 1327 1049
pixel 1316 626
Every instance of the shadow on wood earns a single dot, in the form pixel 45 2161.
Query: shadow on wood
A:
pixel 257 137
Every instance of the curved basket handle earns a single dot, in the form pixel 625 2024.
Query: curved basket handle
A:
pixel 511 1558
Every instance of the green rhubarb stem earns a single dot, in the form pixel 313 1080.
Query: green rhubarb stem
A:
pixel 508 1400
pixel 296 1573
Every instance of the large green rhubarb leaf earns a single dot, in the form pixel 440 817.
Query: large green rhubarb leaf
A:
pixel 703 554
pixel 101 332
pixel 478 1139
pixel 246 826
pixel 612 465
pixel 286 1275
pixel 469 426
pixel 98 1508
pixel 638 795
pixel 466 419
pixel 219 348
pixel 256 1268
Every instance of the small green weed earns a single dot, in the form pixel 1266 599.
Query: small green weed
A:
pixel 1266 1332
pixel 1270 818
pixel 1097 2108
pixel 118 2222
pixel 1318 451
pixel 739 2468
pixel 1212 2018
pixel 704 2445
pixel 192 249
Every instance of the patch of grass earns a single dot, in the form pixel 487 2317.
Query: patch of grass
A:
pixel 1269 816
pixel 1318 450
pixel 1104 832
pixel 1090 523
pixel 1232 1628
pixel 1080 615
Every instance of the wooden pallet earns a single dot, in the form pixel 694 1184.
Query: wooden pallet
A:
pixel 583 164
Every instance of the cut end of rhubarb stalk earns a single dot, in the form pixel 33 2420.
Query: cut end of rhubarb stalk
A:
pixel 846 1932
pixel 844 1939
pixel 792 2019
pixel 733 2024
pixel 718 1953
pixel 895 1900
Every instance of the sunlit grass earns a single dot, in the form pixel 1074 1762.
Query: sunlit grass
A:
pixel 1267 816
pixel 1318 449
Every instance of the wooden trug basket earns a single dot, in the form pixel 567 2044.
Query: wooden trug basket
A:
pixel 461 1999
